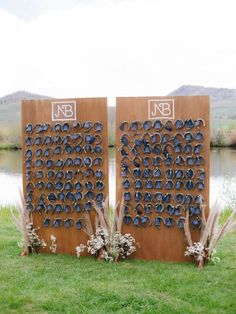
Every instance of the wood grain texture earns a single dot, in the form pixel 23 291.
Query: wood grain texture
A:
pixel 40 111
pixel 166 244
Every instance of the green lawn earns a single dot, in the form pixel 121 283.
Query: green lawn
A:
pixel 65 284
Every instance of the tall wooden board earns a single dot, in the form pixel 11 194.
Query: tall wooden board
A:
pixel 75 113
pixel 162 242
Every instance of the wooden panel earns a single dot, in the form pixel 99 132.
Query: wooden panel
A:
pixel 165 244
pixel 40 112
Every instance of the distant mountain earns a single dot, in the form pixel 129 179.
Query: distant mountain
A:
pixel 216 93
pixel 223 103
pixel 10 106
pixel 223 100
pixel 19 95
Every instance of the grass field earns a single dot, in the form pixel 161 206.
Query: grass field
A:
pixel 65 284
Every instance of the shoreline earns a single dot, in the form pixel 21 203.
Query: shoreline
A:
pixel 18 147
pixel 10 147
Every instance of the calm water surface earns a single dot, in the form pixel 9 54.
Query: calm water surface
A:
pixel 223 164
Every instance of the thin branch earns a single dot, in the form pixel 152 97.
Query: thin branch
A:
pixel 101 217
pixel 187 229
pixel 88 229
pixel 120 216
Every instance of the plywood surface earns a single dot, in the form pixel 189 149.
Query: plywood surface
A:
pixel 40 112
pixel 165 243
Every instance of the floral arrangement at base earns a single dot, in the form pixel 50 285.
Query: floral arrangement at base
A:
pixel 99 243
pixel 200 253
pixel 33 239
pixel 211 232
pixel 103 243
pixel 30 240
pixel 123 245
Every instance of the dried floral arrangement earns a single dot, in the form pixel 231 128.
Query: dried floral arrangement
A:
pixel 104 243
pixel 211 232
pixel 123 245
pixel 30 240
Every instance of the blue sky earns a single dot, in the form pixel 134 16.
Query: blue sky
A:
pixel 78 48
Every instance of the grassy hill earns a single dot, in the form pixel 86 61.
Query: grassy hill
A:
pixel 223 111
pixel 10 107
pixel 223 102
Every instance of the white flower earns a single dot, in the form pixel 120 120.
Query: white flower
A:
pixel 53 238
pixel 44 244
pixel 80 249
pixel 53 247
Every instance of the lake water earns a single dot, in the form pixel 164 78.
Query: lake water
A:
pixel 223 164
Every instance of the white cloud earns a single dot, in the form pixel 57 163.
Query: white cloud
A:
pixel 30 9
pixel 114 48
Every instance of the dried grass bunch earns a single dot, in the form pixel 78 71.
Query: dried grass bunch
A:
pixel 211 232
pixel 98 244
pixel 123 245
pixel 23 221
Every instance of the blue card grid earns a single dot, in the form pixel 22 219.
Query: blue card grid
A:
pixel 63 164
pixel 162 170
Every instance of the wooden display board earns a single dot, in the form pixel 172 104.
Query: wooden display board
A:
pixel 70 151
pixel 156 224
